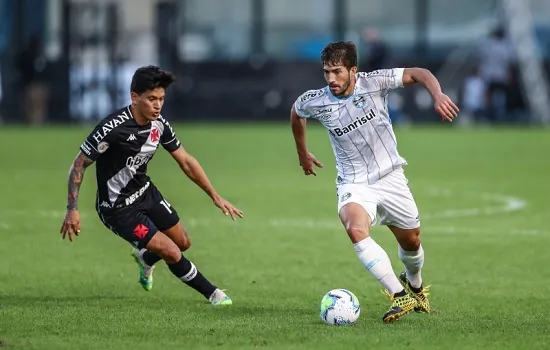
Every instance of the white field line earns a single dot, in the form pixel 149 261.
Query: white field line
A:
pixel 502 204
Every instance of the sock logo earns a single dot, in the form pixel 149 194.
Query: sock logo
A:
pixel 372 263
pixel 191 274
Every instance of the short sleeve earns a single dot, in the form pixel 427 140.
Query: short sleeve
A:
pixel 302 103
pixel 169 139
pixel 98 141
pixel 386 79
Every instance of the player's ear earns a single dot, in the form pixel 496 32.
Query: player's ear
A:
pixel 353 70
pixel 134 97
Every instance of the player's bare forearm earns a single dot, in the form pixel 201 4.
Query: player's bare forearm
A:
pixel 194 171
pixel 423 77
pixel 76 176
pixel 299 131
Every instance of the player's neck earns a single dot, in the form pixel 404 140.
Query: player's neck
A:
pixel 140 120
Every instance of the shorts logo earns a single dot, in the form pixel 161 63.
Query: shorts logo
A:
pixel 141 231
pixel 345 197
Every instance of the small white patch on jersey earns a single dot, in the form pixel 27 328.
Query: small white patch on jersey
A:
pixel 102 147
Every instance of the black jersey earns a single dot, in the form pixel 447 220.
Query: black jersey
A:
pixel 121 149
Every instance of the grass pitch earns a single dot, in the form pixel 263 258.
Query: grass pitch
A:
pixel 482 195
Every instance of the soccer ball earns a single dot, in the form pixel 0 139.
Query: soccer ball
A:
pixel 340 307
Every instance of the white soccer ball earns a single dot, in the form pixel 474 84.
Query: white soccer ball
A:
pixel 340 307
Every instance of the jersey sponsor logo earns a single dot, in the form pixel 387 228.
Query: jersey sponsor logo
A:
pixel 138 160
pixel 102 147
pixel 143 131
pixel 323 113
pixel 310 95
pixel 323 110
pixel 86 148
pixel 134 196
pixel 359 122
pixel 155 135
pixel 374 72
pixel 132 137
pixel 109 126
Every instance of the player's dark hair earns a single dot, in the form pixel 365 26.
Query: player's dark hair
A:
pixel 149 78
pixel 340 53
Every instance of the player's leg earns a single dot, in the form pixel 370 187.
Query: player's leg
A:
pixel 184 269
pixel 411 253
pixel 166 219
pixel 400 213
pixel 177 233
pixel 356 215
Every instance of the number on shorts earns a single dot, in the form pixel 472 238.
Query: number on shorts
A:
pixel 167 205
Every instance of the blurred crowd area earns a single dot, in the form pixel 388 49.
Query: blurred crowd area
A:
pixel 72 60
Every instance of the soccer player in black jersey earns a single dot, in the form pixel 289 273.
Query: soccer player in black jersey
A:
pixel 128 203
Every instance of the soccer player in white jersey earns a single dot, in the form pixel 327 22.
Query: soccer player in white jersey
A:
pixel 370 181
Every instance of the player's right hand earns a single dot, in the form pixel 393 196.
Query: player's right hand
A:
pixel 71 224
pixel 445 107
pixel 307 161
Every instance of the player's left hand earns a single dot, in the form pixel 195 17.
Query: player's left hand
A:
pixel 445 107
pixel 227 208
pixel 71 224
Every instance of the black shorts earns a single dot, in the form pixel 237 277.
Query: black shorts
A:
pixel 137 223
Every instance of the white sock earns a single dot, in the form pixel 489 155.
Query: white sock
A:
pixel 377 261
pixel 140 257
pixel 413 261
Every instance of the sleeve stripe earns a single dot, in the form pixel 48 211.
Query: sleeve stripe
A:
pixel 172 140
pixel 92 146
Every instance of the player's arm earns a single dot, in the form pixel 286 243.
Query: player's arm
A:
pixel 71 224
pixel 307 160
pixel 442 103
pixel 194 171
pixel 76 176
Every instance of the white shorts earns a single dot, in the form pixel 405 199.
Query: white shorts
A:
pixel 390 198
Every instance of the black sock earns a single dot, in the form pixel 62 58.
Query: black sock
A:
pixel 416 290
pixel 150 257
pixel 188 273
pixel 400 294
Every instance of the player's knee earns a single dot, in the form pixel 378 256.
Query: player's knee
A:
pixel 411 242
pixel 185 243
pixel 356 233
pixel 170 253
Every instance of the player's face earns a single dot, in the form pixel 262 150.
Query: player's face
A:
pixel 339 79
pixel 149 104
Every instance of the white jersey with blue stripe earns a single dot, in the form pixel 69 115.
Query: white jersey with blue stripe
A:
pixel 359 126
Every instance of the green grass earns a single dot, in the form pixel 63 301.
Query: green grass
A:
pixel 489 270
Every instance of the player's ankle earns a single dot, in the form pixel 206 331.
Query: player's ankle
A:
pixel 400 294
pixel 414 289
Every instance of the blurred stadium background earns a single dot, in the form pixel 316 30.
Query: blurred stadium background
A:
pixel 71 60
